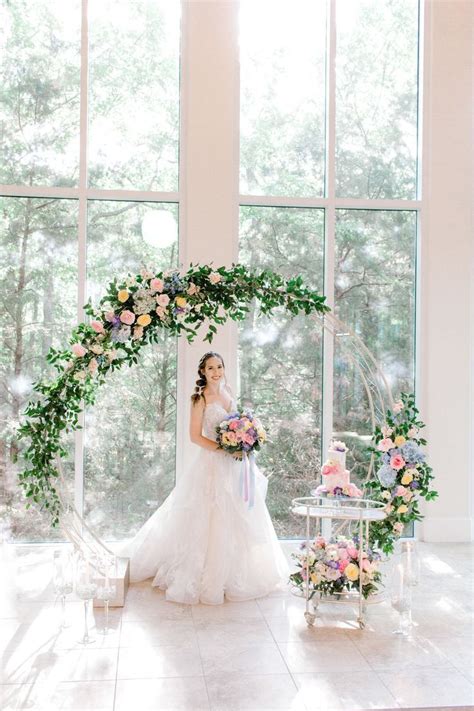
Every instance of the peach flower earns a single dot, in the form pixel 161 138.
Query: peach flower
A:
pixel 163 300
pixel 98 326
pixel 157 284
pixel 215 277
pixel 127 317
pixel 385 444
pixel 78 350
pixel 144 320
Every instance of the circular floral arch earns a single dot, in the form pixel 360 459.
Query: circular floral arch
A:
pixel 128 317
pixel 131 315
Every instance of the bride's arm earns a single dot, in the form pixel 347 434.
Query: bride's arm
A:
pixel 195 428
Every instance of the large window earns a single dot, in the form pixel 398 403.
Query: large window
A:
pixel 89 139
pixel 328 165
pixel 90 188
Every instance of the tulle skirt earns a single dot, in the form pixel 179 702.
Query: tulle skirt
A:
pixel 205 543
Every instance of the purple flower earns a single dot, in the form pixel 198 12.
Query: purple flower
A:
pixel 332 564
pixel 414 485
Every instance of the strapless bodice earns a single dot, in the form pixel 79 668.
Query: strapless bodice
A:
pixel 214 413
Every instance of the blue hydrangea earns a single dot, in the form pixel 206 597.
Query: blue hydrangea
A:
pixel 386 475
pixel 412 454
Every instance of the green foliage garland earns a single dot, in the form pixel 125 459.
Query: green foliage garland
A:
pixel 402 473
pixel 130 316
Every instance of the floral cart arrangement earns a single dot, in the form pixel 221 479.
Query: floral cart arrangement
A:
pixel 336 567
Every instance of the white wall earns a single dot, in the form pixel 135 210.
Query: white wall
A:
pixel 209 211
pixel 447 254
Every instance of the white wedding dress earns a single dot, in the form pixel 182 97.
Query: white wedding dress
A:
pixel 204 543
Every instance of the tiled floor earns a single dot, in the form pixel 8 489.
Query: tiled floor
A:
pixel 254 655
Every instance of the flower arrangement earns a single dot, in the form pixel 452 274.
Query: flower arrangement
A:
pixel 402 473
pixel 335 567
pixel 240 433
pixel 129 316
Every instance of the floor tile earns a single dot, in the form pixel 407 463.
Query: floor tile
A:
pixel 295 629
pixel 237 692
pixel 156 662
pixel 156 632
pixel 343 690
pixel 236 657
pixel 388 651
pixel 246 632
pixel 162 695
pixel 327 655
pixel 429 687
pixel 240 611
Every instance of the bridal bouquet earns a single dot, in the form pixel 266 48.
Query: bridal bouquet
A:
pixel 241 434
pixel 335 567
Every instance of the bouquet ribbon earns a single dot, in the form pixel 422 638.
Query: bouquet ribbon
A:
pixel 247 479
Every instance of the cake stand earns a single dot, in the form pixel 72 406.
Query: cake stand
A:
pixel 362 511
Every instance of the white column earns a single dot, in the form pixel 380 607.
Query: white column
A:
pixel 209 188
pixel 446 388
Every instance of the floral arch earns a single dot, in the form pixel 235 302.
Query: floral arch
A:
pixel 130 316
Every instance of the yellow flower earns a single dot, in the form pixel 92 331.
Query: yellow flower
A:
pixel 352 571
pixel 181 302
pixel 225 439
pixel 144 320
pixel 402 509
pixel 407 478
pixel 123 295
pixel 316 578
pixel 399 441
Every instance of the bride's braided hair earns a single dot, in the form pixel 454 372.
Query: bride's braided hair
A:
pixel 201 381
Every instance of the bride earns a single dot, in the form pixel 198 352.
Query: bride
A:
pixel 204 543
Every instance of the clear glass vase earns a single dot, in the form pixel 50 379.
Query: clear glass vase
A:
pixel 86 589
pixel 106 585
pixel 63 580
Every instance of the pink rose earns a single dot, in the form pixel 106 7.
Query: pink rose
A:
pixel 353 552
pixel 398 407
pixel 97 326
pixel 408 497
pixel 397 462
pixel 398 527
pixel 233 425
pixel 232 437
pixel 248 439
pixel 214 277
pixel 386 431
pixel 401 491
pixel 163 300
pixel 93 365
pixel 79 350
pixel 385 444
pixel 109 316
pixel 127 317
pixel 319 542
pixel 192 289
pixel 343 564
pixel 329 469
pixel 156 284
pixel 366 565
pixel 412 432
pixel 160 311
pixel 343 554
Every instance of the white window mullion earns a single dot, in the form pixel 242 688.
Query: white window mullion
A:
pixel 82 236
pixel 330 225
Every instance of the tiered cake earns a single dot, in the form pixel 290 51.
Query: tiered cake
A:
pixel 335 476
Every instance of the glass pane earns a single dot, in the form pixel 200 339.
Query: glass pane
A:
pixel 39 92
pixel 376 95
pixel 282 57
pixel 134 94
pixel 375 297
pixel 280 358
pixel 130 431
pixel 38 295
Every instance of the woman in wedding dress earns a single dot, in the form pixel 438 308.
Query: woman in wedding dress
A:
pixel 205 543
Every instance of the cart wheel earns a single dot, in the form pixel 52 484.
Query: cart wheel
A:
pixel 310 618
pixel 361 623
